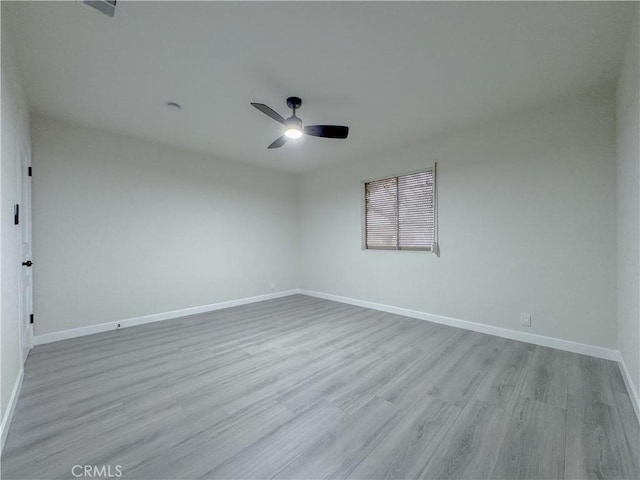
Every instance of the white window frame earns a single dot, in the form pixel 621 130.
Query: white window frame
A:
pixel 363 216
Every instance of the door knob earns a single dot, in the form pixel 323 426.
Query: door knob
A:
pixel 28 263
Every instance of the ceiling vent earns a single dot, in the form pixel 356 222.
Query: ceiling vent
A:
pixel 108 7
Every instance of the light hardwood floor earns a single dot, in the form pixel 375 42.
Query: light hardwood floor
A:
pixel 306 388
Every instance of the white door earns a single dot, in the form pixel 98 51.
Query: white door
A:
pixel 24 229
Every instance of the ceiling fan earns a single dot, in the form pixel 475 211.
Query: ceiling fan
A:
pixel 293 125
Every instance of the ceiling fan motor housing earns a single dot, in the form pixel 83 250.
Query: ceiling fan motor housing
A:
pixel 293 122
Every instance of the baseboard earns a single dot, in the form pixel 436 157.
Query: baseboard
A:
pixel 575 347
pixel 631 388
pixel 567 345
pixel 156 317
pixel 11 408
pixel 582 348
pixel 27 341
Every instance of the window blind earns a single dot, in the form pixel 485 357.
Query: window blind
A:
pixel 400 212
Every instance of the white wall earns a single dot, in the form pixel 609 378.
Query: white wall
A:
pixel 628 160
pixel 527 224
pixel 15 131
pixel 125 227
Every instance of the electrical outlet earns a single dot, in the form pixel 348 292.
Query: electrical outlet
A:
pixel 525 319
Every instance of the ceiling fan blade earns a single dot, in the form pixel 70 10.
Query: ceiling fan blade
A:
pixel 327 131
pixel 269 112
pixel 278 142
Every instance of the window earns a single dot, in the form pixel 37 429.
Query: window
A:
pixel 400 212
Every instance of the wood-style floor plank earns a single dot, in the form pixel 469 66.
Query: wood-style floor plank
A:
pixel 534 445
pixel 300 387
pixel 338 452
pixel 470 448
pixel 548 376
pixel 596 445
pixel 411 443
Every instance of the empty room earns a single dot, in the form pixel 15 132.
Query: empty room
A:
pixel 320 240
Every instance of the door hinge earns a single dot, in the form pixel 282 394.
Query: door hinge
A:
pixel 31 318
pixel 30 172
pixel 16 215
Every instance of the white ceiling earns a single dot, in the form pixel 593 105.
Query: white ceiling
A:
pixel 393 72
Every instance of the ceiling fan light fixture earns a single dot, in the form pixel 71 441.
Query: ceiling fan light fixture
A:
pixel 293 132
pixel 293 127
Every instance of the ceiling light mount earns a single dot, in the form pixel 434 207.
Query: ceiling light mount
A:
pixel 294 102
pixel 174 107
